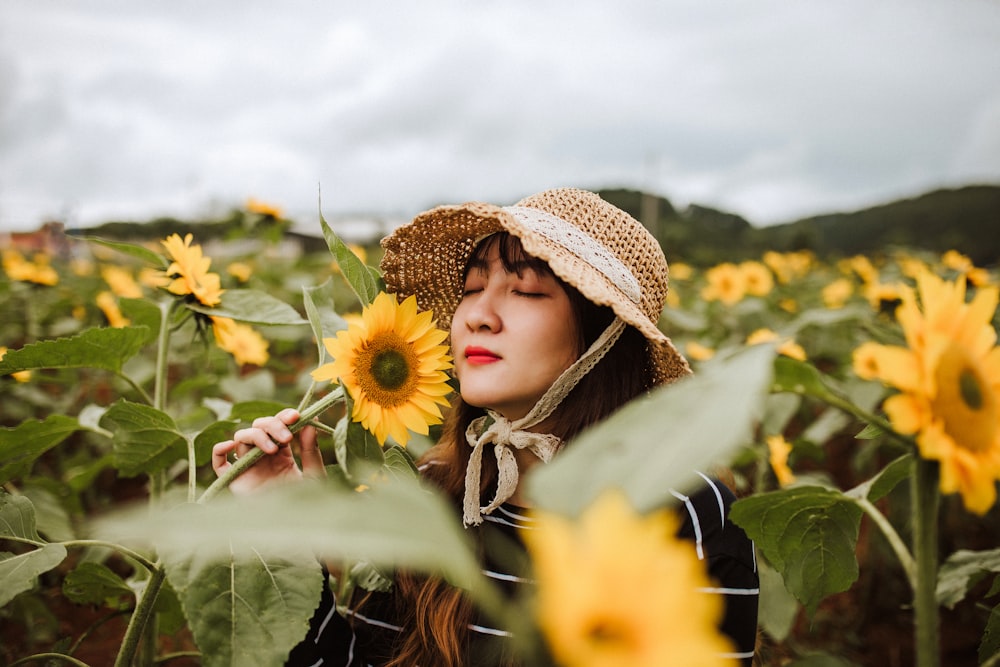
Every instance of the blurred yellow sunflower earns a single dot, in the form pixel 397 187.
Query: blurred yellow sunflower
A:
pixel 948 377
pixel 698 352
pixel 392 362
pixel 778 450
pixel 121 282
pixel 836 294
pixel 109 306
pixel 616 589
pixel 757 277
pixel 189 271
pixel 36 270
pixel 240 340
pixel 726 283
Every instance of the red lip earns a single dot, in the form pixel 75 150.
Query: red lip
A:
pixel 480 355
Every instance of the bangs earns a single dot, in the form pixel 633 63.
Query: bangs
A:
pixel 512 255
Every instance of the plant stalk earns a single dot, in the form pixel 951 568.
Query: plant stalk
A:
pixel 137 623
pixel 926 499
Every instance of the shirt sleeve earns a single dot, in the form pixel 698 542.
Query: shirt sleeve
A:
pixel 330 640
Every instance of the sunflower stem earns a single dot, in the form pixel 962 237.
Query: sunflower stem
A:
pixel 244 463
pixel 895 541
pixel 926 498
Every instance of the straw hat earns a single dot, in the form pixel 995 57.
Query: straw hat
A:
pixel 594 246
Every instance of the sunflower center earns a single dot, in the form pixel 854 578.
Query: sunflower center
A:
pixel 965 400
pixel 386 370
pixel 609 633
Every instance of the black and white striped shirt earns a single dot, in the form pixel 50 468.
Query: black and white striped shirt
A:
pixel 368 636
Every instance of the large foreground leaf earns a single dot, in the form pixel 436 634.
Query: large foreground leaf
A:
pixel 248 609
pixel 395 523
pixel 658 443
pixel 105 348
pixel 808 534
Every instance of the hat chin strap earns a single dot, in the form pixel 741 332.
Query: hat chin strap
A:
pixel 493 428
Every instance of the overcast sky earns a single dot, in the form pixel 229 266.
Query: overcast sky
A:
pixel 770 109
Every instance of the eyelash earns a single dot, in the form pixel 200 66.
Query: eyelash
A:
pixel 528 295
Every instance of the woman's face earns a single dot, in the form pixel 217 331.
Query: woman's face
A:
pixel 513 334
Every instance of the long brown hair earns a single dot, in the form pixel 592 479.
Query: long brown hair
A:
pixel 435 613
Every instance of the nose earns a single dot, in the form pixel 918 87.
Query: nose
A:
pixel 480 312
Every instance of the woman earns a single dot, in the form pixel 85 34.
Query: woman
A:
pixel 552 306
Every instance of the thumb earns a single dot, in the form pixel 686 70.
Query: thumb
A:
pixel 309 454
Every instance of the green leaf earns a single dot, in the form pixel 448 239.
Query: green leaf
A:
pixel 961 571
pixel 137 251
pixel 22 444
pixel 322 314
pixel 370 578
pixel 989 648
pixel 95 583
pixel 798 377
pixel 885 481
pixel 870 432
pixel 658 443
pixel 247 411
pixel 253 307
pixel 778 608
pixel 394 523
pixel 105 348
pixel 19 571
pixel 211 434
pixel 360 454
pixel 809 534
pixel 17 518
pixel 249 608
pixel 364 280
pixel 143 313
pixel 145 439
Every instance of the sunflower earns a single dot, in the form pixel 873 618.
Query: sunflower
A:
pixel 726 283
pixel 36 270
pixel 836 294
pixel 948 377
pixel 109 306
pixel 619 589
pixel 392 362
pixel 778 450
pixel 121 282
pixel 758 278
pixel 240 340
pixel 189 271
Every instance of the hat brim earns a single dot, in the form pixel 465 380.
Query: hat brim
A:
pixel 427 258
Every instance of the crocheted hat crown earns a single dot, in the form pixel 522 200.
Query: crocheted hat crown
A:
pixel 590 244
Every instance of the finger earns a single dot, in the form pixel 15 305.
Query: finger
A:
pixel 257 437
pixel 288 416
pixel 310 454
pixel 275 428
pixel 220 454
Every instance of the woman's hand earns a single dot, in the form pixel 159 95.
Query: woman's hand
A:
pixel 272 436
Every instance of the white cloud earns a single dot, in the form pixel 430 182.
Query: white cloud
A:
pixel 770 109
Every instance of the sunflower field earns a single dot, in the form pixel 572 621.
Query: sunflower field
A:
pixel 853 404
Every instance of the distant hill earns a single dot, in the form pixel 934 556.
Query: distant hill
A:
pixel 966 219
